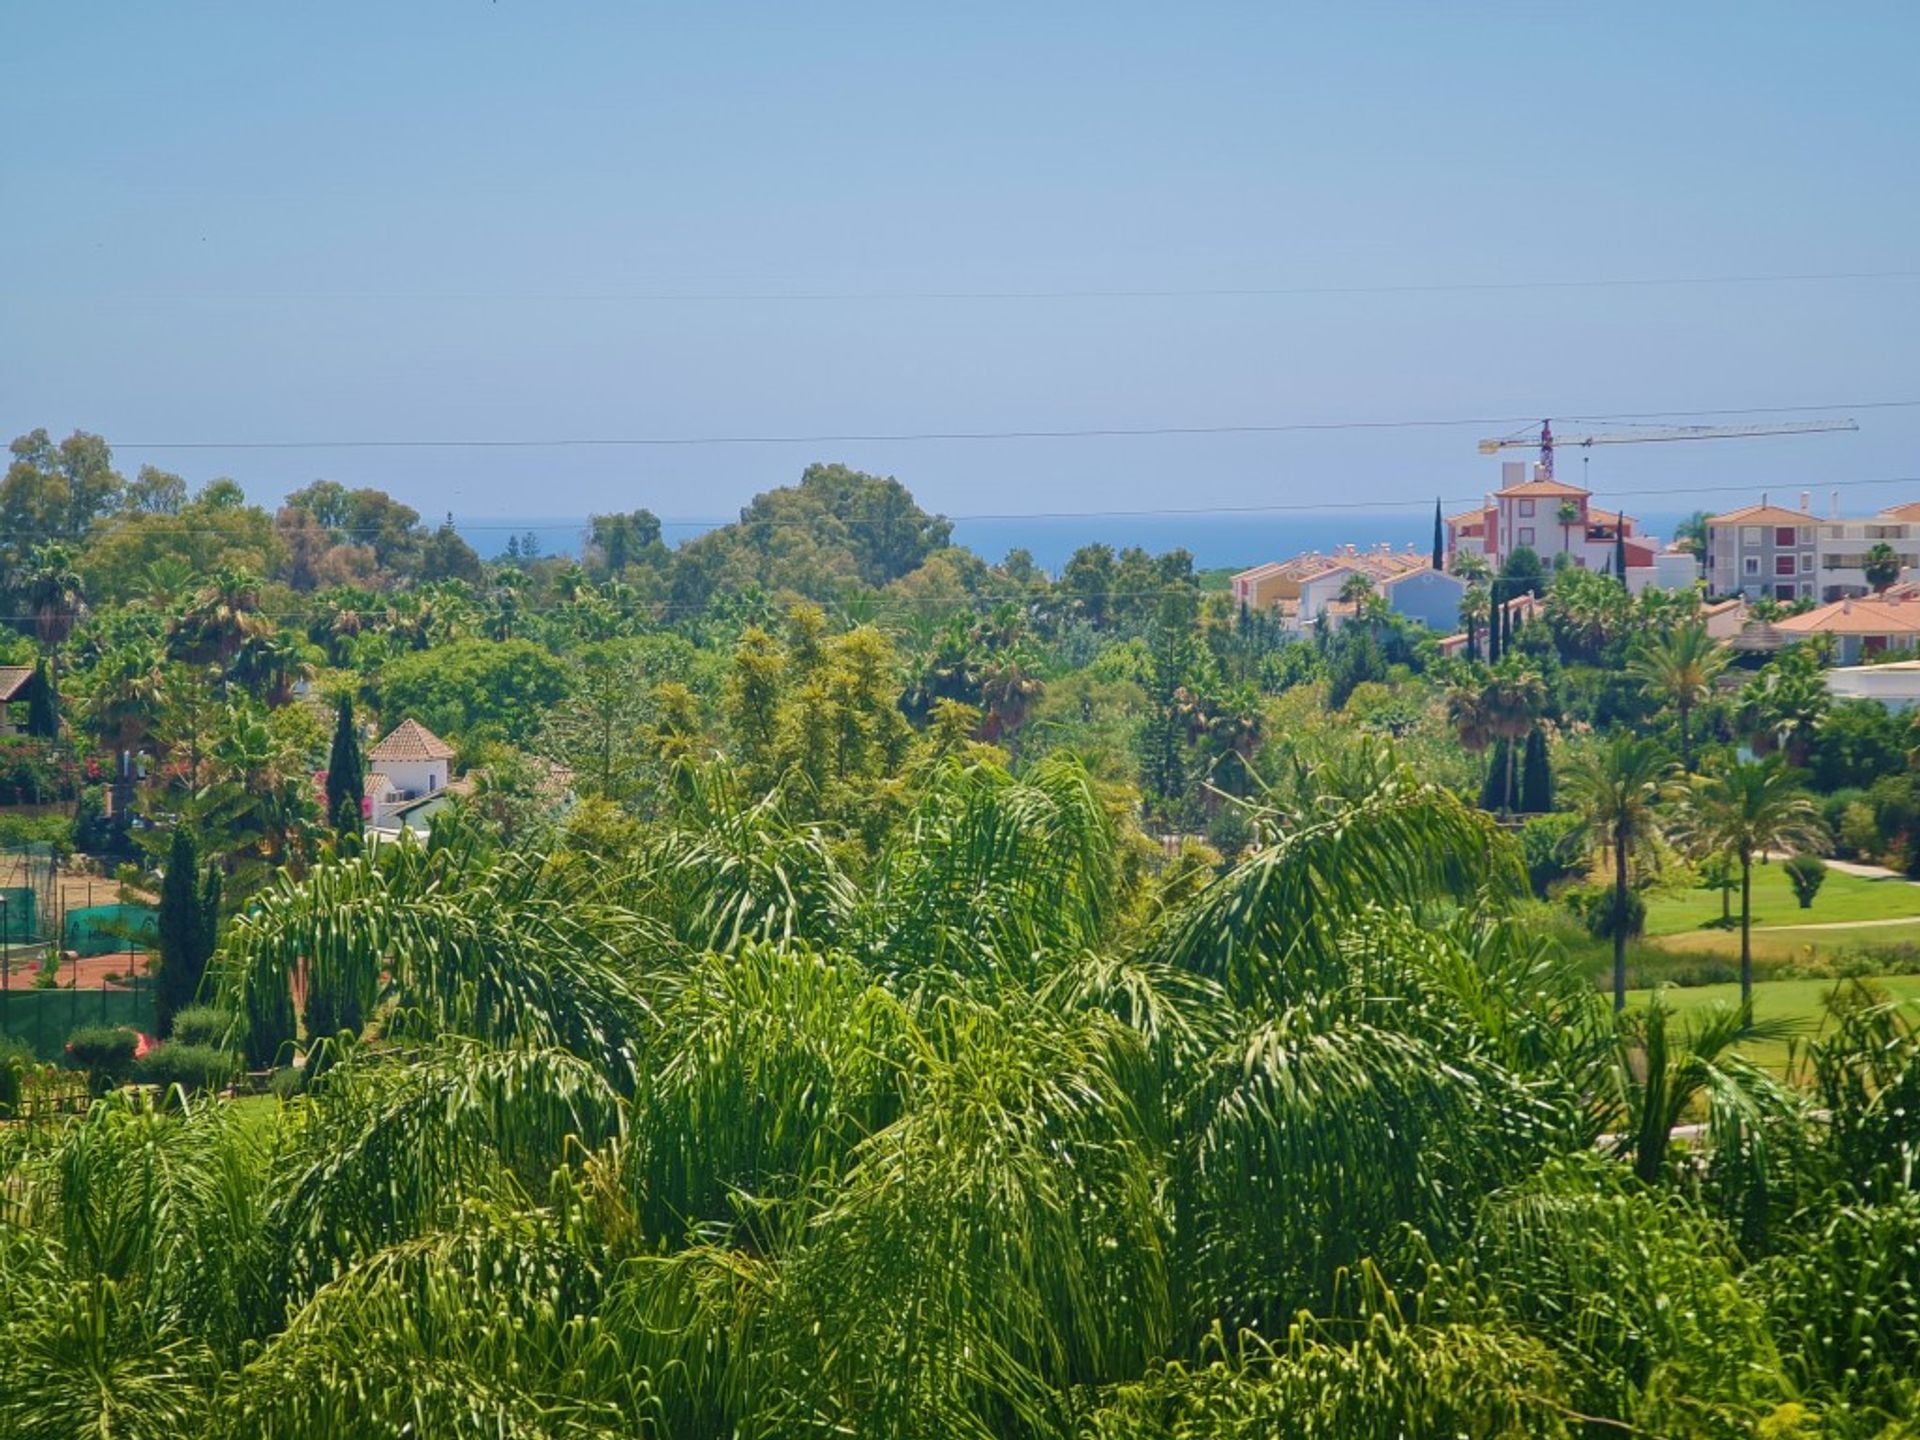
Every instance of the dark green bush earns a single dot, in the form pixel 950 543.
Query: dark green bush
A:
pixel 1594 905
pixel 202 1025
pixel 192 1067
pixel 287 1083
pixel 105 1053
pixel 1806 873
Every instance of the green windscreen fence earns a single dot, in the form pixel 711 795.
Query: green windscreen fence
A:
pixel 20 913
pixel 45 1018
pixel 109 929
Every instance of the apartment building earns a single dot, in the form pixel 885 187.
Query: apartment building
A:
pixel 1549 517
pixel 1768 551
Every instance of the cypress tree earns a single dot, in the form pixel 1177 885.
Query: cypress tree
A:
pixel 346 774
pixel 1536 775
pixel 1620 552
pixel 1439 541
pixel 1493 624
pixel 43 717
pixel 185 929
pixel 1493 793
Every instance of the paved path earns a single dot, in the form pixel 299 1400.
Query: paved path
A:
pixel 1837 925
pixel 1868 872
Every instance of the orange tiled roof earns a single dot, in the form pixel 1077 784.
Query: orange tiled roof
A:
pixel 1856 617
pixel 1762 515
pixel 410 740
pixel 1532 489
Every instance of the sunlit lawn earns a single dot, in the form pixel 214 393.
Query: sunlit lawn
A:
pixel 1802 1002
pixel 1842 897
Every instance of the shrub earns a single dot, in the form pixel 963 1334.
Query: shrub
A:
pixel 1858 834
pixel 202 1025
pixel 191 1067
pixel 287 1083
pixel 1546 845
pixel 105 1053
pixel 17 1062
pixel 1806 873
pixel 1594 905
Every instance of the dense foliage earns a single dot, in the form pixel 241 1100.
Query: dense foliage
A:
pixel 861 990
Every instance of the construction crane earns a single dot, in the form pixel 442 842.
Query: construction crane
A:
pixel 1546 439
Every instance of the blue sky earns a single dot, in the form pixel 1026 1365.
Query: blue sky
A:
pixel 246 222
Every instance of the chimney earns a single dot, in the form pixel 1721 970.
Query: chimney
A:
pixel 1763 498
pixel 1806 503
pixel 1836 504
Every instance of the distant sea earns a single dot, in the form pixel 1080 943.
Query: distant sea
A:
pixel 1234 541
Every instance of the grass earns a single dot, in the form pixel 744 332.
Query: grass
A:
pixel 1842 898
pixel 1802 1002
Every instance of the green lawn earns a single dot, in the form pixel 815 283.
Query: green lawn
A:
pixel 1800 1001
pixel 1843 897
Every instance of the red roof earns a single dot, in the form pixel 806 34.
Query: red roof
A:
pixel 411 740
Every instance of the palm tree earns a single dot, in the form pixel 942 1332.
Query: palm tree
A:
pixel 1744 811
pixel 1512 701
pixel 1679 668
pixel 1568 516
pixel 54 595
pixel 223 615
pixel 1618 791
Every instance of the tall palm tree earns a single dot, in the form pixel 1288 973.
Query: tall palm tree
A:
pixel 54 595
pixel 1744 811
pixel 1619 792
pixel 1678 668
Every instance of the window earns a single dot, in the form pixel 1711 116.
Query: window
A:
pixel 1753 565
pixel 1806 562
pixel 1749 534
pixel 1783 565
pixel 1784 535
pixel 1526 508
pixel 1783 592
pixel 1526 531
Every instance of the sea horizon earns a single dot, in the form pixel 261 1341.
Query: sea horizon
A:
pixel 1216 541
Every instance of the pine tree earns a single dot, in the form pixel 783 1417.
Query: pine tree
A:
pixel 186 923
pixel 346 774
pixel 43 716
pixel 1536 775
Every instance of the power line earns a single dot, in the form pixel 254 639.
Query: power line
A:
pixel 1246 292
pixel 917 436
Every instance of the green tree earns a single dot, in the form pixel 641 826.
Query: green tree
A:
pixel 346 774
pixel 1746 810
pixel 51 590
pixel 1522 573
pixel 1619 790
pixel 1536 775
pixel 477 689
pixel 1679 668
pixel 1806 873
pixel 186 928
pixel 1882 566
pixel 43 714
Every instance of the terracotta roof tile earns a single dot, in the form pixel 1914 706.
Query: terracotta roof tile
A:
pixel 410 740
pixel 1856 617
pixel 1763 515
